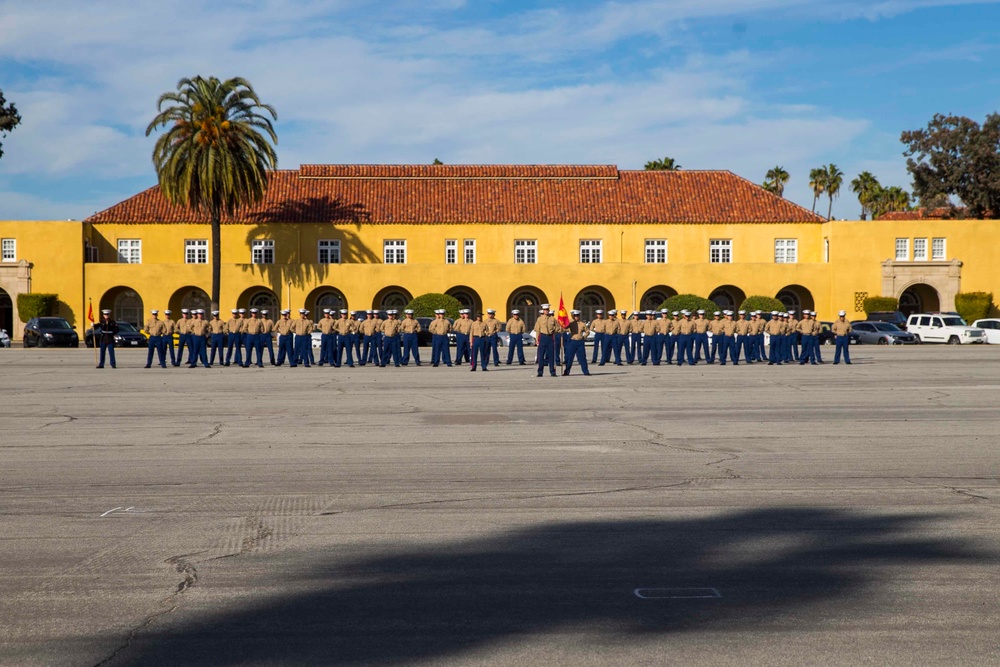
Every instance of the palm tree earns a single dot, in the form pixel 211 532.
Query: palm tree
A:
pixel 775 179
pixel 865 186
pixel 817 181
pixel 666 164
pixel 214 157
pixel 834 179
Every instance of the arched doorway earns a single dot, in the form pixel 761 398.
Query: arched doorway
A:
pixel 468 297
pixel 527 299
pixel 655 296
pixel 190 298
pixel 797 297
pixel 260 298
pixel 392 298
pixel 125 305
pixel 7 313
pixel 919 298
pixel 326 297
pixel 727 297
pixel 592 298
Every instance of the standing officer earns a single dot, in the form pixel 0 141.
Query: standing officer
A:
pixel 302 328
pixel 461 328
pixel 327 339
pixel 197 328
pixel 793 336
pixel 685 339
pixel 575 347
pixel 774 330
pixel 759 327
pixel 808 329
pixel 650 331
pixel 285 342
pixel 670 325
pixel 390 340
pixel 713 328
pixel 346 329
pixel 842 331
pixel 369 337
pixel 172 327
pixel 155 329
pixel 633 349
pixel 439 329
pixel 234 327
pixel 612 338
pixel 515 327
pixel 493 334
pixel 106 329
pixel 700 336
pixel 410 327
pixel 743 338
pixel 251 334
pixel 267 334
pixel 623 341
pixel 183 329
pixel 217 331
pixel 729 329
pixel 479 340
pixel 546 327
pixel 597 326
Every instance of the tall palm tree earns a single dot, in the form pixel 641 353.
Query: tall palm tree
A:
pixel 834 179
pixel 215 155
pixel 817 181
pixel 666 164
pixel 775 179
pixel 865 186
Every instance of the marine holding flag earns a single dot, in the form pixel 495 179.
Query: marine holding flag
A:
pixel 561 335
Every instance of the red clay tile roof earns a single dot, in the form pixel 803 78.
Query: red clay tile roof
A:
pixel 924 214
pixel 495 194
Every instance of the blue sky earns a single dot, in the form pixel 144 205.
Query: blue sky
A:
pixel 742 85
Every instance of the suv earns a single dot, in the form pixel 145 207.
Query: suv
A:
pixel 943 328
pixel 890 316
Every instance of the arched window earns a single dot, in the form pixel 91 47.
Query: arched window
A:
pixel 196 298
pixel 394 301
pixel 128 308
pixel 331 300
pixel 791 300
pixel 588 303
pixel 265 301
pixel 527 302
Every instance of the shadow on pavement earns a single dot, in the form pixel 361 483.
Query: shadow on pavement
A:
pixel 457 597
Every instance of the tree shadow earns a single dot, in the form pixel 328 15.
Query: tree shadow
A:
pixel 446 599
pixel 295 253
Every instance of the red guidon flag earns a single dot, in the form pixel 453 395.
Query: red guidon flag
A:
pixel 562 315
pixel 90 312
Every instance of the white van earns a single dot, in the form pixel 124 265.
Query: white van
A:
pixel 943 328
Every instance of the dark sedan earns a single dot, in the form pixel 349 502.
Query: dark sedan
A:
pixel 50 332
pixel 826 336
pixel 128 336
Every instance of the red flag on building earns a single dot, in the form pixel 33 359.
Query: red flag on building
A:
pixel 562 315
pixel 90 312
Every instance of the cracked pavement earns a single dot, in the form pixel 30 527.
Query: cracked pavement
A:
pixel 179 517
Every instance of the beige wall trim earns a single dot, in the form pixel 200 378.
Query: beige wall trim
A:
pixel 945 277
pixel 16 279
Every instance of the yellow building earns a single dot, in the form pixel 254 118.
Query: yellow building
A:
pixel 501 236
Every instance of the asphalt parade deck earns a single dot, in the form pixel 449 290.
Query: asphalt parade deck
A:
pixel 700 516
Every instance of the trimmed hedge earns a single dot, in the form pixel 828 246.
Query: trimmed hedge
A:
pixel 36 305
pixel 689 302
pixel 425 305
pixel 763 303
pixel 974 306
pixel 880 304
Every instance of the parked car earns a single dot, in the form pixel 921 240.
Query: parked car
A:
pixel 50 332
pixel 505 337
pixel 991 327
pixel 4 338
pixel 889 316
pixel 128 336
pixel 882 333
pixel 943 328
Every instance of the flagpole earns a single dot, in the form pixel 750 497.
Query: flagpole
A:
pixel 90 316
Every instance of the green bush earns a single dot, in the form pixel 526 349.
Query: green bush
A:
pixel 690 302
pixel 762 303
pixel 425 305
pixel 35 305
pixel 880 304
pixel 974 306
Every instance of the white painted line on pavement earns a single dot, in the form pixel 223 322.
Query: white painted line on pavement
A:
pixel 677 593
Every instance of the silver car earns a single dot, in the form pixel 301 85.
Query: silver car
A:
pixel 882 333
pixel 4 338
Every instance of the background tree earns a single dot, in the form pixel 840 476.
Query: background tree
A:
pixel 437 161
pixel 956 156
pixel 865 186
pixel 215 156
pixel 666 164
pixel 833 180
pixel 775 179
pixel 9 118
pixel 817 182
pixel 887 200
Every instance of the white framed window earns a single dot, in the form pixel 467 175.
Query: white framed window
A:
pixel 526 251
pixel 91 254
pixel 262 251
pixel 129 251
pixel 919 250
pixel 8 250
pixel 328 251
pixel 656 251
pixel 938 250
pixel 786 251
pixel 196 251
pixel 394 251
pixel 470 251
pixel 590 251
pixel 902 250
pixel 720 251
pixel 451 251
